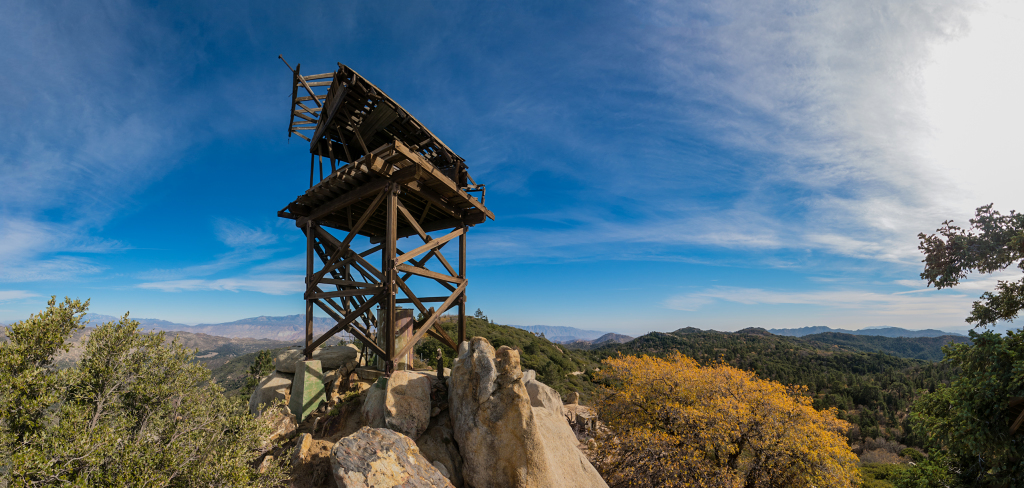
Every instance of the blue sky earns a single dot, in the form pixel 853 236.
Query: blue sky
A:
pixel 653 165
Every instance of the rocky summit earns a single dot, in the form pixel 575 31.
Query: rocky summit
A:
pixel 484 423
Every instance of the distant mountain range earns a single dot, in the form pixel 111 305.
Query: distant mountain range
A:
pixel 558 333
pixel 872 331
pixel 284 328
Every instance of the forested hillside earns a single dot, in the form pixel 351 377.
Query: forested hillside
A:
pixel 873 390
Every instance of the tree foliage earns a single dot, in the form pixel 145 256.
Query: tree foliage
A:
pixel 675 423
pixel 993 243
pixel 971 417
pixel 871 390
pixel 134 412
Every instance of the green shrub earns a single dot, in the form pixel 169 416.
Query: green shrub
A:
pixel 133 412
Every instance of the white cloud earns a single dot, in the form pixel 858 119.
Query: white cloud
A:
pixel 7 295
pixel 865 302
pixel 269 284
pixel 34 251
pixel 238 235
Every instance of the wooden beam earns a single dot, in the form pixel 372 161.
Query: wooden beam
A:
pixel 422 299
pixel 354 231
pixel 359 335
pixel 431 320
pixel 310 250
pixel 390 274
pixel 462 299
pixel 342 324
pixel 332 281
pixel 412 222
pixel 426 273
pixel 412 297
pixel 430 245
pixel 345 293
pixel 310 90
pixel 365 191
pixel 446 181
pixel 432 332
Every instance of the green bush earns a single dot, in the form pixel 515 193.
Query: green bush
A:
pixel 133 412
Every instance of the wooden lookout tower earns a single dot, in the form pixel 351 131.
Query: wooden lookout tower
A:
pixel 376 172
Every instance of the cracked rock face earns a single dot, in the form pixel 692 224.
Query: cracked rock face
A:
pixel 407 403
pixel 503 438
pixel 382 457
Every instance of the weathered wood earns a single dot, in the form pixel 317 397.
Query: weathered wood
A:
pixel 342 324
pixel 462 298
pixel 339 327
pixel 412 222
pixel 310 244
pixel 390 274
pixel 372 189
pixel 360 284
pixel 430 245
pixel 426 273
pixel 422 299
pixel 411 173
pixel 429 321
pixel 441 177
pixel 345 293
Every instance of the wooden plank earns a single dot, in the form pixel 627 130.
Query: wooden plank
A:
pixel 430 245
pixel 426 273
pixel 360 284
pixel 412 222
pixel 366 191
pixel 310 249
pixel 327 118
pixel 432 197
pixel 311 93
pixel 362 263
pixel 345 293
pixel 362 219
pixel 422 299
pixel 342 324
pixel 442 335
pixel 432 332
pixel 429 322
pixel 412 297
pixel 319 76
pixel 462 299
pixel 359 335
pixel 390 275
pixel 441 177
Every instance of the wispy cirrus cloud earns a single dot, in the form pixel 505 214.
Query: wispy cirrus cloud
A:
pixel 7 295
pixel 867 302
pixel 248 250
pixel 269 284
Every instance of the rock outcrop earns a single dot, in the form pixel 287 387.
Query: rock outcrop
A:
pixel 542 395
pixel 381 457
pixel 276 386
pixel 437 444
pixel 582 419
pixel 573 398
pixel 281 422
pixel 407 403
pixel 345 358
pixel 504 440
pixel 373 405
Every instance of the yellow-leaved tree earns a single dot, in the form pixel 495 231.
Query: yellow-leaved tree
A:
pixel 672 422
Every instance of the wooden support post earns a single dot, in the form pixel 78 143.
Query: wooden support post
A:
pixel 310 245
pixel 388 268
pixel 462 274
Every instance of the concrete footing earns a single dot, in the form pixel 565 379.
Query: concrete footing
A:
pixel 307 389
